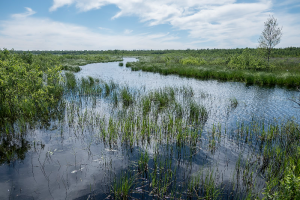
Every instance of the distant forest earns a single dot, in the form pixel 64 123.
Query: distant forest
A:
pixel 276 52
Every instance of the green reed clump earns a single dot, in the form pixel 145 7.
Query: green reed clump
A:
pixel 204 186
pixel 233 102
pixel 123 186
pixel 70 80
pixel 178 110
pixel 281 161
pixel 126 96
pixel 71 68
pixel 163 97
pixel 197 112
pixel 143 162
pixel 115 98
pixel 146 105
pixel 121 64
pixel 162 178
pixel 277 159
pixel 128 64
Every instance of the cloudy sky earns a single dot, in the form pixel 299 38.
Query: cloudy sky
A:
pixel 143 24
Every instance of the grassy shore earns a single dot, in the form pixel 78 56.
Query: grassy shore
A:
pixel 247 67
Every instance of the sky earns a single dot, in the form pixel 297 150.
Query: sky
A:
pixel 143 24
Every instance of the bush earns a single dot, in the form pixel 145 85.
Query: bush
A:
pixel 27 91
pixel 248 61
pixel 193 61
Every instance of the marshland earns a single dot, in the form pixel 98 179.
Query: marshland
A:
pixel 185 124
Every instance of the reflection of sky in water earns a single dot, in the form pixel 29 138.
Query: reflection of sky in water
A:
pixel 73 165
pixel 267 103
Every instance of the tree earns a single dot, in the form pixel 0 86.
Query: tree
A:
pixel 270 36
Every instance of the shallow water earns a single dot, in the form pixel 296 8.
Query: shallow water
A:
pixel 267 103
pixel 69 163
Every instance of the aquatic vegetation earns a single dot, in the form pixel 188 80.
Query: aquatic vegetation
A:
pixel 71 68
pixel 152 144
pixel 122 187
pixel 126 96
pixel 197 112
pixel 234 102
pixel 71 81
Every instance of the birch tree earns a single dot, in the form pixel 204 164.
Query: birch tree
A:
pixel 270 36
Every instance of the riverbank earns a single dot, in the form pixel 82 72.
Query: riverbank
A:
pixel 285 74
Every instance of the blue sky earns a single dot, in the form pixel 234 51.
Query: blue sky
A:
pixel 141 24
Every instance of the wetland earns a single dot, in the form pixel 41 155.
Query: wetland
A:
pixel 115 131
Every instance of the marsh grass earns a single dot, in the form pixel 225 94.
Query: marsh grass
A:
pixel 285 72
pixel 126 96
pixel 71 68
pixel 123 186
pixel 197 112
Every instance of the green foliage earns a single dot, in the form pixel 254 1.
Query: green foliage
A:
pixel 281 161
pixel 126 96
pixel 122 187
pixel 193 61
pixel 71 68
pixel 143 162
pixel 128 64
pixel 70 80
pixel 197 112
pixel 247 60
pixel 27 90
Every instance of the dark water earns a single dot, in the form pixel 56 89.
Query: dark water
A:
pixel 67 163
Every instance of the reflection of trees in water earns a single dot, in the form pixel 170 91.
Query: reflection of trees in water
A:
pixel 13 143
pixel 13 148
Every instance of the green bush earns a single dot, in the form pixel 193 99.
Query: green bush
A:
pixel 25 89
pixel 193 61
pixel 248 60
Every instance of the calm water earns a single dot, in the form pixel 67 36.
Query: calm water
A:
pixel 70 164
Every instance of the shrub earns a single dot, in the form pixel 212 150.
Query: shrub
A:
pixel 248 61
pixel 193 61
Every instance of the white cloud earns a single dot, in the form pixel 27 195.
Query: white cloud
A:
pixel 60 3
pixel 26 14
pixel 105 29
pixel 32 33
pixel 224 22
pixel 127 31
